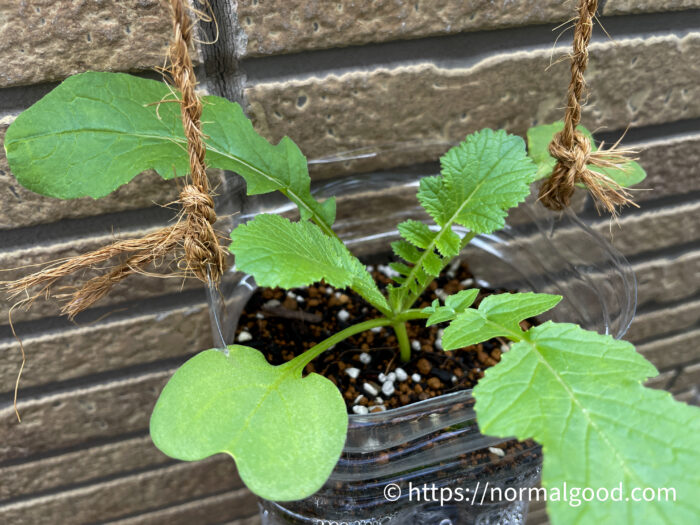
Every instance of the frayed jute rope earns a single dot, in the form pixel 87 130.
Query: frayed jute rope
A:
pixel 572 149
pixel 191 240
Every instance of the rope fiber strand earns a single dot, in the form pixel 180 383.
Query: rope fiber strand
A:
pixel 572 149
pixel 192 240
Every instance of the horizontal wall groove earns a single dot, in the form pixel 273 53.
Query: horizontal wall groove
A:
pixel 671 252
pixel 113 376
pixel 460 50
pixel 95 443
pixel 653 307
pixel 651 134
pixel 104 314
pixel 77 486
pixel 200 501
pixel 665 203
pixel 82 500
pixel 664 337
pixel 66 230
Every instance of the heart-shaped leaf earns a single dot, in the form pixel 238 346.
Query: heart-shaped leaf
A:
pixel 285 432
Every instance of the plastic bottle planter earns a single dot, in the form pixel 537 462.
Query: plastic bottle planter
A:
pixel 391 458
pixel 436 443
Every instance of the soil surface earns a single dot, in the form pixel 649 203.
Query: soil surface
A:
pixel 367 367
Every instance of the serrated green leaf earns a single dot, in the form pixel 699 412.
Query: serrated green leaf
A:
pixel 578 394
pixel 498 315
pixel 285 432
pixel 417 233
pixel 406 251
pixel 278 252
pixel 454 304
pixel 400 268
pixel 539 138
pixel 432 264
pixel 96 131
pixel 448 244
pixel 481 180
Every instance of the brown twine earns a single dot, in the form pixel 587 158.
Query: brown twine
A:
pixel 193 236
pixel 572 149
pixel 192 240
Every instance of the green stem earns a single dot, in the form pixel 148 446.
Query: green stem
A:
pixel 402 337
pixel 300 361
pixel 411 298
pixel 325 227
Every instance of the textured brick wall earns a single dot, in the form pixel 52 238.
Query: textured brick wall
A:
pixel 335 76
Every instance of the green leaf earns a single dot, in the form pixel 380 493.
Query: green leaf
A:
pixel 405 250
pixel 285 432
pixel 539 138
pixel 579 395
pixel 481 180
pixel 278 252
pixel 462 299
pixel 96 131
pixel 498 315
pixel 417 233
pixel 454 304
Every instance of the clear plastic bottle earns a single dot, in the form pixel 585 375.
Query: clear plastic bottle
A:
pixel 436 443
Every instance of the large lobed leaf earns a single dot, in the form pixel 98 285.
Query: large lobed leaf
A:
pixel 285 432
pixel 578 394
pixel 278 252
pixel 539 138
pixel 96 131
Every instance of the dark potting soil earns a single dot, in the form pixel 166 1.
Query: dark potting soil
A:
pixel 367 367
pixel 368 371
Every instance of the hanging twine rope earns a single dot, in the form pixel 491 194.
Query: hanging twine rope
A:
pixel 572 149
pixel 192 239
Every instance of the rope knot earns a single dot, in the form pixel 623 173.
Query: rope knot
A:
pixel 572 149
pixel 575 157
pixel 203 253
pixel 196 202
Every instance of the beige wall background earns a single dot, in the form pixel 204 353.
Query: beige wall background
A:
pixel 335 76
